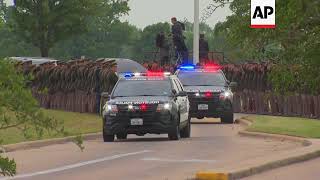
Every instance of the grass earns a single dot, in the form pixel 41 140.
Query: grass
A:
pixel 74 124
pixel 300 127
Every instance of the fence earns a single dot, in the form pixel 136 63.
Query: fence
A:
pixel 77 101
pixel 269 103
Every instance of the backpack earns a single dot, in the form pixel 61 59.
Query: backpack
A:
pixel 183 26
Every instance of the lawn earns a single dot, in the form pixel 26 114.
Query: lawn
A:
pixel 74 124
pixel 301 127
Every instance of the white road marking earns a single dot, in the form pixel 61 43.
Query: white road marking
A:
pixel 179 161
pixel 77 165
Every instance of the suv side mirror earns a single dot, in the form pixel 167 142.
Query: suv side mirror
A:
pixel 182 93
pixel 233 86
pixel 105 95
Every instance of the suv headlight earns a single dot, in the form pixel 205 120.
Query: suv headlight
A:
pixel 226 95
pixel 111 108
pixel 164 107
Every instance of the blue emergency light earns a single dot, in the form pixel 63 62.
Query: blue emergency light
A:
pixel 187 67
pixel 128 75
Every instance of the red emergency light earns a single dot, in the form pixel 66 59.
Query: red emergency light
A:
pixel 157 73
pixel 208 94
pixel 150 73
pixel 143 107
pixel 211 67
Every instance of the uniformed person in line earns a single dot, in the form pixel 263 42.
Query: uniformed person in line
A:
pixel 113 77
pixel 178 39
pixel 203 49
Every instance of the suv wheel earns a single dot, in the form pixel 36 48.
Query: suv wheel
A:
pixel 186 132
pixel 227 118
pixel 122 136
pixel 107 137
pixel 175 132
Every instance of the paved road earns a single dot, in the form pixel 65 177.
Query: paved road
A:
pixel 309 170
pixel 151 157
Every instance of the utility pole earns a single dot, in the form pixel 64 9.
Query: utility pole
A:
pixel 196 32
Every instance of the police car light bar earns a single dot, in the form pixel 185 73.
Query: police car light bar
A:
pixel 187 67
pixel 150 73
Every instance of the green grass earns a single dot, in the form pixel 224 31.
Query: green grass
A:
pixel 301 127
pixel 74 124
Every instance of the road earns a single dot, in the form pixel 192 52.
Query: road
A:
pixel 152 157
pixel 309 170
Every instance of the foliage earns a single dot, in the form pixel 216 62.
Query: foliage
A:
pixel 2 12
pixel 117 41
pixel 73 123
pixel 293 46
pixel 7 166
pixel 20 110
pixel 44 23
pixel 147 38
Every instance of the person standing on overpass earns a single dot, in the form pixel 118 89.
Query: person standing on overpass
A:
pixel 178 39
pixel 162 44
pixel 203 49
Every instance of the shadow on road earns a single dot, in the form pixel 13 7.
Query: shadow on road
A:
pixel 144 139
pixel 204 122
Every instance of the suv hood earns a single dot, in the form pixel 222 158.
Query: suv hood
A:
pixel 140 100
pixel 205 88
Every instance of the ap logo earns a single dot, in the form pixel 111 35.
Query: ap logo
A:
pixel 263 14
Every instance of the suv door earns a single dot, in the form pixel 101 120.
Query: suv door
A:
pixel 183 101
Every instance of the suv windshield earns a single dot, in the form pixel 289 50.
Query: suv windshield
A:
pixel 202 79
pixel 142 88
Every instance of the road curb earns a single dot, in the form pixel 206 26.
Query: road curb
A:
pixel 243 172
pixel 302 141
pixel 249 171
pixel 245 122
pixel 47 142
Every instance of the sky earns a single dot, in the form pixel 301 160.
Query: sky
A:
pixel 147 12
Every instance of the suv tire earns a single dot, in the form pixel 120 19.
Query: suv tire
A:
pixel 122 136
pixel 174 134
pixel 107 137
pixel 227 118
pixel 186 131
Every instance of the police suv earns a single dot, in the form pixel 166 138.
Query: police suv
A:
pixel 140 104
pixel 209 92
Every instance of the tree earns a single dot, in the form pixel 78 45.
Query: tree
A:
pixel 20 110
pixel 146 43
pixel 116 41
pixel 293 45
pixel 2 13
pixel 46 22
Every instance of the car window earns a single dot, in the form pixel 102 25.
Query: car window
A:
pixel 202 79
pixel 127 88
